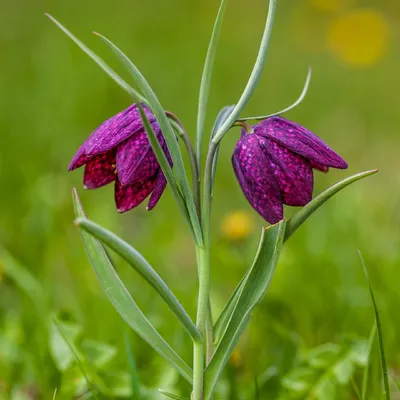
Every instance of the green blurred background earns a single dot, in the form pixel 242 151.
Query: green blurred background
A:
pixel 53 96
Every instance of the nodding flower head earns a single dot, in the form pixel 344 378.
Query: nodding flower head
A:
pixel 274 165
pixel 119 150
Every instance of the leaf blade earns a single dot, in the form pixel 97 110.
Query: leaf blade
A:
pixel 302 215
pixel 254 289
pixel 379 331
pixel 104 66
pixel 143 268
pixel 122 300
pixel 206 78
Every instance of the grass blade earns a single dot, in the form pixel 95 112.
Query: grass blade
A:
pixel 368 364
pixel 379 330
pixel 255 286
pixel 122 300
pixel 295 104
pixel 206 79
pixel 135 383
pixel 294 223
pixel 255 75
pixel 108 70
pixel 169 134
pixel 143 268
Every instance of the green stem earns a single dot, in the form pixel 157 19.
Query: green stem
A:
pixel 206 216
pixel 204 318
pixel 198 348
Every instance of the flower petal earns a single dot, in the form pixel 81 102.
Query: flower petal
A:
pixel 293 173
pixel 99 170
pixel 319 167
pixel 135 158
pixel 158 190
pixel 300 140
pixel 115 130
pixel 79 159
pixel 161 183
pixel 257 179
pixel 130 196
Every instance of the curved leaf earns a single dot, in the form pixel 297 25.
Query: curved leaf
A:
pixel 254 288
pixel 294 223
pixel 140 265
pixel 108 70
pixel 122 300
pixel 206 78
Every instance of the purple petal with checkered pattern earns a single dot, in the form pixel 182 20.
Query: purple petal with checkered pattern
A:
pixel 300 141
pixel 257 178
pixel 136 160
pixel 130 196
pixel 160 184
pixel 99 170
pixel 293 173
pixel 115 130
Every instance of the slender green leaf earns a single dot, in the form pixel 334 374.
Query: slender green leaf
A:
pixel 109 71
pixel 168 132
pixel 300 217
pixel 368 363
pixel 397 382
pixel 141 266
pixel 172 396
pixel 206 78
pixel 122 300
pixel 135 383
pixel 379 330
pixel 254 77
pixel 295 104
pixel 226 314
pixel 55 394
pixel 254 289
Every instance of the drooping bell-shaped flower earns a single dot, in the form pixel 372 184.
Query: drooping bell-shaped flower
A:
pixel 119 150
pixel 274 165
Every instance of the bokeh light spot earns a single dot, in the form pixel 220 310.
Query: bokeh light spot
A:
pixel 359 38
pixel 237 225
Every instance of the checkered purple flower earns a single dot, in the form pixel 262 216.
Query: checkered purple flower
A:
pixel 119 150
pixel 274 165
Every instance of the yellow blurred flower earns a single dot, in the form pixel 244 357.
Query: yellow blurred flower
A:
pixel 236 359
pixel 237 225
pixel 359 38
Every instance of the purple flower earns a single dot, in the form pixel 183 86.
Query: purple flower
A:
pixel 119 150
pixel 274 165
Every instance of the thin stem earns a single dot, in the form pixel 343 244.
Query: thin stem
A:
pixel 198 348
pixel 205 271
pixel 194 166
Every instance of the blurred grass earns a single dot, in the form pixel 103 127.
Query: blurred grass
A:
pixel 53 96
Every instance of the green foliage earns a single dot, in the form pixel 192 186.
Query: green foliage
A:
pixel 325 372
